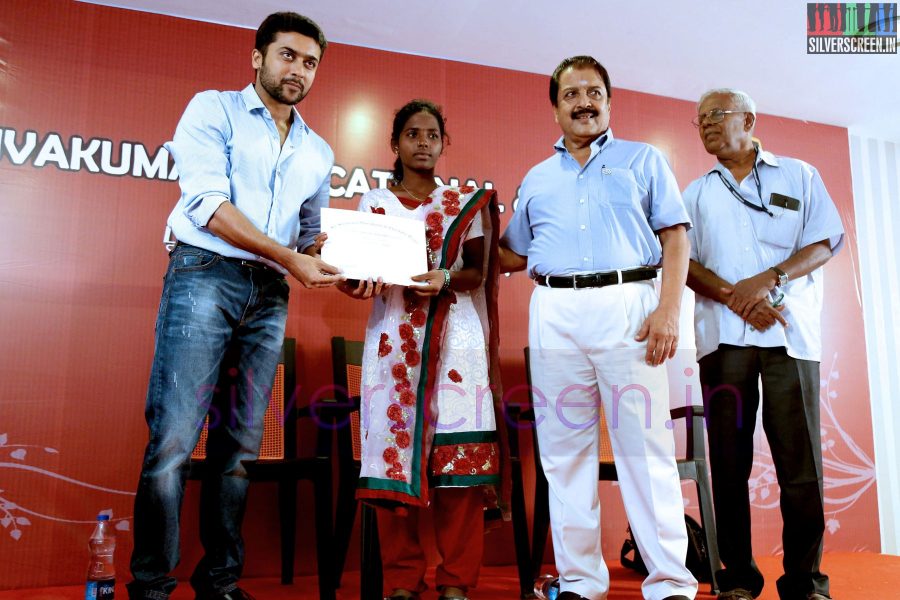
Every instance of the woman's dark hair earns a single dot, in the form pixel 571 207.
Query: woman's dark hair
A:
pixel 288 22
pixel 414 107
pixel 577 62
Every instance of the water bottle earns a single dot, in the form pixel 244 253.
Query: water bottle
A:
pixel 101 575
pixel 546 587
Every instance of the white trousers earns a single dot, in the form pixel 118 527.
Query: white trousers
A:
pixel 583 352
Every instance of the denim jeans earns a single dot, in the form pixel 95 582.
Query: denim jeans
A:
pixel 219 334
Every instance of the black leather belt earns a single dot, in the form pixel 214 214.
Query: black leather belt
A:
pixel 594 280
pixel 254 264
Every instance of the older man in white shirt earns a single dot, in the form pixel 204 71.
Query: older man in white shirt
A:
pixel 763 227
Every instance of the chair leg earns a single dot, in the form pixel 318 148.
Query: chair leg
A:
pixel 287 515
pixel 370 575
pixel 541 524
pixel 520 531
pixel 708 520
pixel 346 516
pixel 324 532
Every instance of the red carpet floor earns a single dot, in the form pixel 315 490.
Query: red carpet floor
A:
pixel 853 577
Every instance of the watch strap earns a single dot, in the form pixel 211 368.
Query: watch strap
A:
pixel 782 276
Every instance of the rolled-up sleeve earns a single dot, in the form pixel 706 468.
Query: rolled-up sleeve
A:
pixel 311 217
pixel 822 220
pixel 690 204
pixel 666 206
pixel 201 156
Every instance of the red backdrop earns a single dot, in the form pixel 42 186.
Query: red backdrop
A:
pixel 82 262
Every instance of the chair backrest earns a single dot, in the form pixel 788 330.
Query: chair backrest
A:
pixel 346 365
pixel 279 429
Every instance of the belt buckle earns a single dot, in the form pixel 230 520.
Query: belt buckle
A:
pixel 575 282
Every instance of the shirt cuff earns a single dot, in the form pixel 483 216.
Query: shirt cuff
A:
pixel 201 210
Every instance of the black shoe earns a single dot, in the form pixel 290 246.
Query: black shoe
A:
pixel 235 594
pixel 678 597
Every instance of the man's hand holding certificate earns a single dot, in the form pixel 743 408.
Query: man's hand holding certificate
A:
pixel 371 246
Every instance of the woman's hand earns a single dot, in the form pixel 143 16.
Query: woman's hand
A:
pixel 362 289
pixel 433 283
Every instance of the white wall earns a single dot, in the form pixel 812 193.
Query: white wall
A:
pixel 875 167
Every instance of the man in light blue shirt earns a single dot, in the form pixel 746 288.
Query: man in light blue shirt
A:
pixel 253 177
pixel 763 227
pixel 593 223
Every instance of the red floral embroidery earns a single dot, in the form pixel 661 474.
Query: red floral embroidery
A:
pixel 407 398
pixel 402 439
pixel 406 331
pixel 403 385
pixel 466 189
pixel 436 241
pixel 442 455
pixel 399 371
pixel 384 347
pixel 413 358
pixel 395 413
pixel 452 210
pixel 454 376
pixel 417 318
pixel 395 472
pixel 451 195
pixel 434 221
pixel 397 427
pixel 390 455
pixel 377 210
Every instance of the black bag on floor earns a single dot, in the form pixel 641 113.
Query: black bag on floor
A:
pixel 697 559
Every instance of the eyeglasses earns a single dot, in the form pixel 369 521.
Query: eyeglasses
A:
pixel 716 115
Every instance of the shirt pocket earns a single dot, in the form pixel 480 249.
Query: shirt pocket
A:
pixel 618 188
pixel 782 230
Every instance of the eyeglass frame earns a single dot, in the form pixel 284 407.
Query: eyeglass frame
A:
pixel 700 119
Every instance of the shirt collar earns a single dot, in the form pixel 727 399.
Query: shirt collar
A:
pixel 253 102
pixel 596 146
pixel 761 157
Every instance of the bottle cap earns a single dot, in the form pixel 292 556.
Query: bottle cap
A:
pixel 103 517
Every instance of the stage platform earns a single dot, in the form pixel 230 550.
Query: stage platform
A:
pixel 854 576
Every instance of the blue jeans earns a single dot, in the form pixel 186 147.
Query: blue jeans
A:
pixel 219 334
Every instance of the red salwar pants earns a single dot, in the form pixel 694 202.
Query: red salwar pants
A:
pixel 458 515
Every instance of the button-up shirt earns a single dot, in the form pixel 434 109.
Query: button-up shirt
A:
pixel 597 217
pixel 228 149
pixel 735 242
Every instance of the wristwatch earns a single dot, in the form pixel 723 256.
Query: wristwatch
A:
pixel 782 276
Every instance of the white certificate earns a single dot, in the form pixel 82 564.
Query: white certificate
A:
pixel 365 245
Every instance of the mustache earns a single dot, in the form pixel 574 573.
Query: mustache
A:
pixel 293 81
pixel 584 111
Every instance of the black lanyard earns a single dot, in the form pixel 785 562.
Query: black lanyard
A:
pixel 740 196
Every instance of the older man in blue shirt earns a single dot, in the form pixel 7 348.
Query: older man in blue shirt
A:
pixel 253 177
pixel 593 223
pixel 764 226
